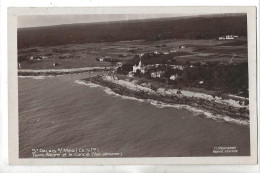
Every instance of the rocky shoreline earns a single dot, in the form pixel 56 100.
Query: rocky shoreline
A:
pixel 215 105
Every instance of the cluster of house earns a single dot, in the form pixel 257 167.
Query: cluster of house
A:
pixel 104 58
pixel 64 56
pixel 156 74
pixel 38 57
pixel 228 37
pixel 153 53
pixel 108 58
pixel 176 48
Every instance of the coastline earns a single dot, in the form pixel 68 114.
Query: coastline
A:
pixel 198 103
pixel 201 104
pixel 54 72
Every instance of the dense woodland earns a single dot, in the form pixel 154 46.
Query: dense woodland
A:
pixel 229 78
pixel 200 27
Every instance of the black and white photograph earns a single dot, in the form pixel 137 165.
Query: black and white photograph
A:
pixel 133 85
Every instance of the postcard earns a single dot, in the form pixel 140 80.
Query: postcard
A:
pixel 132 85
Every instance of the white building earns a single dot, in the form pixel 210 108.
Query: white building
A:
pixel 157 74
pixel 55 64
pixel 139 67
pixel 179 67
pixel 222 38
pixel 38 57
pixel 228 37
pixel 100 59
pixel 175 50
pixel 131 74
pixel 156 52
pixel 165 53
pixel 140 55
pixel 174 77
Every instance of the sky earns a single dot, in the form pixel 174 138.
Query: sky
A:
pixel 49 20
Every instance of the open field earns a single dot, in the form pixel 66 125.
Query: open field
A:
pixel 84 55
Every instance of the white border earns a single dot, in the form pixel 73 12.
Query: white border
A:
pixel 13 85
pixel 3 102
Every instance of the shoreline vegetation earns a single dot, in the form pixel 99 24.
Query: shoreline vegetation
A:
pixel 229 106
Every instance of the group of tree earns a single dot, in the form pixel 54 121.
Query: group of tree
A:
pixel 223 78
pixel 229 78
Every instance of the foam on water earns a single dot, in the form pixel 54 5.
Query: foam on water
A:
pixel 106 90
pixel 197 112
pixel 41 77
pixel 92 85
pixel 35 77
pixel 159 104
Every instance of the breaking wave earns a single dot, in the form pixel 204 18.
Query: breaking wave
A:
pixel 34 77
pixel 39 77
pixel 198 112
pixel 92 85
pixel 159 104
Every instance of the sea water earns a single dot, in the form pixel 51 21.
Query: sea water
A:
pixel 60 112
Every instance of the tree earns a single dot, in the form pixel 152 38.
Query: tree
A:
pixel 138 73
